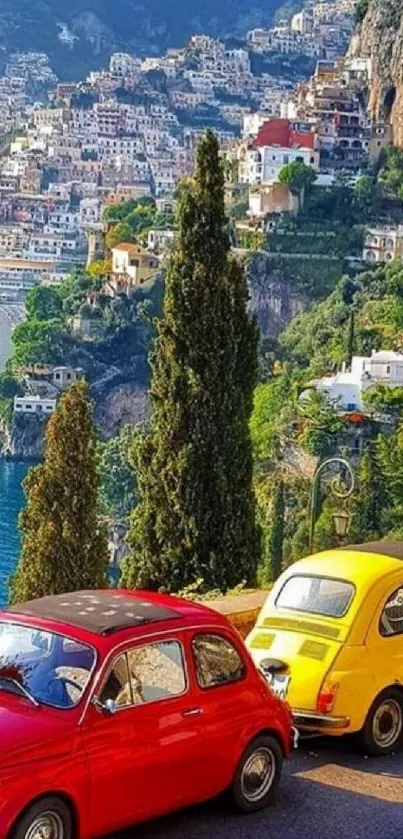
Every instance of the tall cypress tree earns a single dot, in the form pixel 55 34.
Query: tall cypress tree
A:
pixel 350 337
pixel 369 502
pixel 276 539
pixel 196 518
pixel 63 547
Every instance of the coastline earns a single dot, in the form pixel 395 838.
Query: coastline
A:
pixel 11 314
pixel 6 328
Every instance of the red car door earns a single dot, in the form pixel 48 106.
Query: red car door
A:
pixel 230 699
pixel 142 756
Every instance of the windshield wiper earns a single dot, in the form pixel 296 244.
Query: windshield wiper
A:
pixel 25 692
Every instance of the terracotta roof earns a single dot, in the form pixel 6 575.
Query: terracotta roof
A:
pixel 128 247
pixel 279 132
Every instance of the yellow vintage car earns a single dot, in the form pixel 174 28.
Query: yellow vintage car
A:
pixel 330 640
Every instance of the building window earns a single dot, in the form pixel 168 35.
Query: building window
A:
pixel 217 661
pixel 391 622
pixel 351 406
pixel 57 376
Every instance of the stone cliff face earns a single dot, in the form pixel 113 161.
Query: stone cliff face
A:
pixel 24 439
pixel 380 37
pixel 118 397
pixel 273 300
pixel 115 407
pixel 124 404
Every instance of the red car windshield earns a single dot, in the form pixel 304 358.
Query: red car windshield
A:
pixel 46 667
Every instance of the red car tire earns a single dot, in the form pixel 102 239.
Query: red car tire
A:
pixel 257 775
pixel 50 813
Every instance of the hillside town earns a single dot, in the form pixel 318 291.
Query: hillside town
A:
pixel 130 132
pixel 201 422
pixel 127 135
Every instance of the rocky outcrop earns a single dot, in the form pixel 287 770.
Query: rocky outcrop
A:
pixel 114 407
pixel 24 439
pixel 380 37
pixel 274 300
pixel 123 404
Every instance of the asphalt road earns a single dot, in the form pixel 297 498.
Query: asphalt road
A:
pixel 327 792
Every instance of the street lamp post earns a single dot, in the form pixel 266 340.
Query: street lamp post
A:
pixel 342 518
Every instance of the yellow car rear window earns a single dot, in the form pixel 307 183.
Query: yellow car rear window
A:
pixel 316 595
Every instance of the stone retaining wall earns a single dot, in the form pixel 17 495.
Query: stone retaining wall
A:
pixel 242 610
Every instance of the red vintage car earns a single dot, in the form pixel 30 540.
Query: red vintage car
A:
pixel 117 706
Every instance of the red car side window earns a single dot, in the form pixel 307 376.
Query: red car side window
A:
pixel 157 671
pixel 217 661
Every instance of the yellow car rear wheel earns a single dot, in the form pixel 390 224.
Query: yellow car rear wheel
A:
pixel 383 728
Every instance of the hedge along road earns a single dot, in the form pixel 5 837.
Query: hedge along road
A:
pixel 328 791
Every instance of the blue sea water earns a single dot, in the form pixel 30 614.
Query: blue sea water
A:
pixel 11 501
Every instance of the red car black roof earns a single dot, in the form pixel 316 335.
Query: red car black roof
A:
pixel 102 612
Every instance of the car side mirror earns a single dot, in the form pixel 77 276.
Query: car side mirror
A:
pixel 108 707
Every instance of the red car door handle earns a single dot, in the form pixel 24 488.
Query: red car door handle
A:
pixel 192 712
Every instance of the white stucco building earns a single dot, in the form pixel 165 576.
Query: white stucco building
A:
pixel 345 390
pixel 34 405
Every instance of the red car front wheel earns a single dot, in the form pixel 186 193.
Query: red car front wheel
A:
pixel 49 817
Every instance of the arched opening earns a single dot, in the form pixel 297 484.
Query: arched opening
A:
pixel 388 101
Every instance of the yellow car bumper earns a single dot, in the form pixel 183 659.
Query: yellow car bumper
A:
pixel 308 721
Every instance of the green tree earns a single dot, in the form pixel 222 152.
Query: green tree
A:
pixel 63 547
pixel 391 172
pixel 98 269
pixel 118 486
pixel 120 232
pixel 276 538
pixel 350 337
pixel 369 501
pixel 385 400
pixel 196 517
pixel 390 458
pixel 38 342
pixel 364 195
pixel 361 9
pixel 322 424
pixel 43 303
pixel 349 291
pixel 297 176
pixel 9 385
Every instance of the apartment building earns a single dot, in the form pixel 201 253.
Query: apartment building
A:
pixel 278 143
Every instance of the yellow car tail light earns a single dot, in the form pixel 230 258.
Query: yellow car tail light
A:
pixel 327 697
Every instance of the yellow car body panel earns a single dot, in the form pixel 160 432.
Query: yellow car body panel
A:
pixel 348 651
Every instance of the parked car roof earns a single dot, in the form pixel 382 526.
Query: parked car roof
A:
pixel 361 564
pixel 104 613
pixel 386 548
